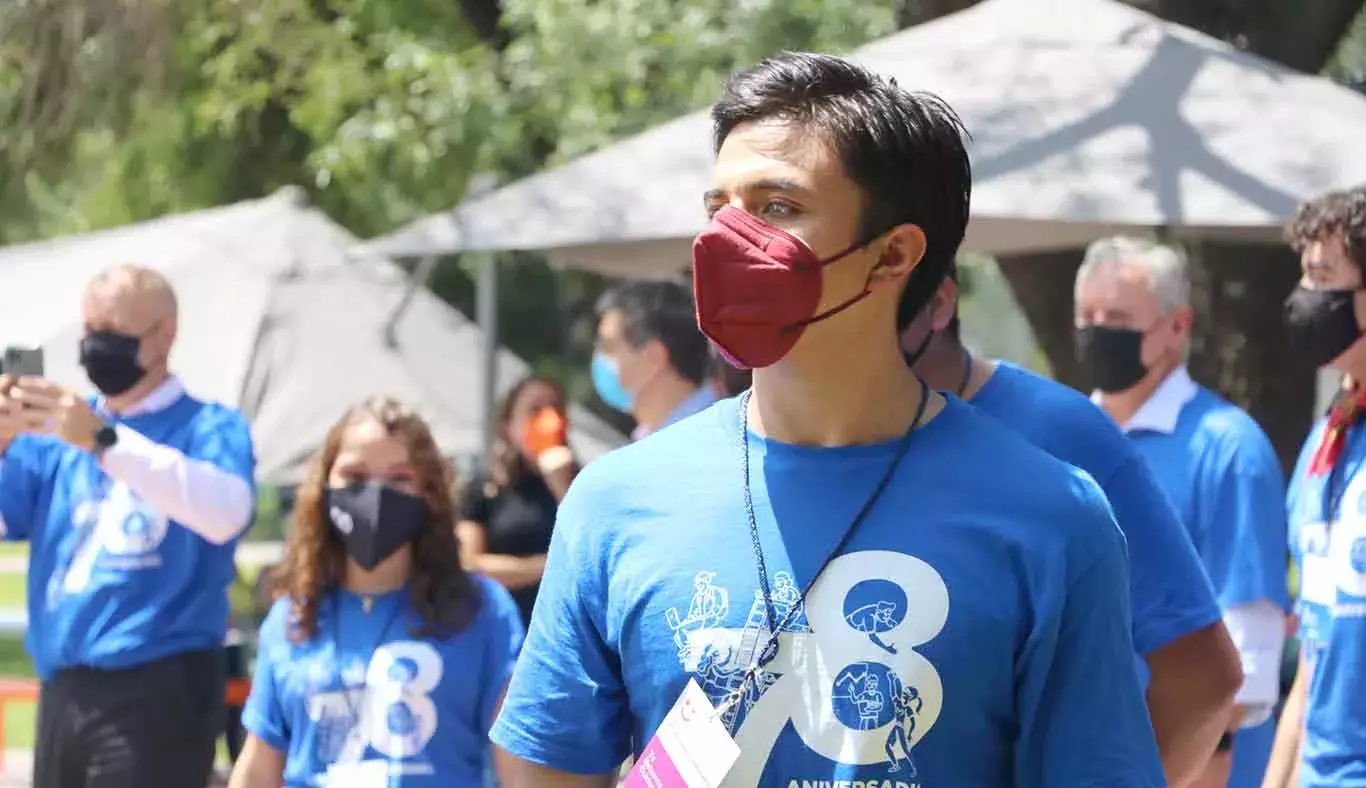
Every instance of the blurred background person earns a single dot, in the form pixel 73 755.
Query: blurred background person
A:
pixel 508 512
pixel 1321 739
pixel 385 662
pixel 726 380
pixel 1192 667
pixel 132 503
pixel 650 360
pixel 1133 325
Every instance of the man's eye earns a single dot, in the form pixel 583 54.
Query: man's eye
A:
pixel 778 208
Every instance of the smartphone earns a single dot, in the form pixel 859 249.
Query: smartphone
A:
pixel 23 361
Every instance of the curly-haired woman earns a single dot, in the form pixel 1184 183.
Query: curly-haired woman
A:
pixel 384 662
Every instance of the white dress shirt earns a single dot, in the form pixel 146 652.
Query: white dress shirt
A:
pixel 212 502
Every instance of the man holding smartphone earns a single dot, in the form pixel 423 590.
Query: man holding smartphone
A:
pixel 132 502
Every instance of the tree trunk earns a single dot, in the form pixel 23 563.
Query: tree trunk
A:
pixel 1240 347
pixel 1042 283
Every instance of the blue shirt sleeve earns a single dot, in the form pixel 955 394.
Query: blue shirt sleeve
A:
pixel 22 472
pixel 1083 720
pixel 1242 506
pixel 223 439
pixel 264 715
pixel 566 706
pixel 1168 588
pixel 505 643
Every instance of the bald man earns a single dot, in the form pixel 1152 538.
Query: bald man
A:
pixel 132 502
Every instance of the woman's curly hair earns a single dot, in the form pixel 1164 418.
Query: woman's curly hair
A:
pixel 444 595
pixel 1331 214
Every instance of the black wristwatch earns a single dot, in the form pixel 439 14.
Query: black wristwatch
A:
pixel 1225 742
pixel 105 437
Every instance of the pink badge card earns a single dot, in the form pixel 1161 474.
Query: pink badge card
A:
pixel 691 749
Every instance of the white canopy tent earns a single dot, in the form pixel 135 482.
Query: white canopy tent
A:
pixel 1087 117
pixel 277 319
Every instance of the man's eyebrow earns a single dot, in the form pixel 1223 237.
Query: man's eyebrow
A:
pixel 763 185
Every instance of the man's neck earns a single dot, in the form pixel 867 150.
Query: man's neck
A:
pixel 868 397
pixel 1122 405
pixel 948 366
pixel 133 397
pixel 657 401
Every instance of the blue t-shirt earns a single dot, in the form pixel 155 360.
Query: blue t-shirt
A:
pixel 1168 588
pixel 112 583
pixel 973 631
pixel 366 702
pixel 1222 473
pixel 1328 540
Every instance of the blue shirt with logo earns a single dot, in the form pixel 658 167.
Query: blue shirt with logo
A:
pixel 366 701
pixel 1168 588
pixel 1327 516
pixel 113 583
pixel 1222 474
pixel 973 631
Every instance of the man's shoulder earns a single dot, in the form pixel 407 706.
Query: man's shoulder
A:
pixel 1229 435
pixel 1022 487
pixel 1059 420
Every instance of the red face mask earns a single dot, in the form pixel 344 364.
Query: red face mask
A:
pixel 757 287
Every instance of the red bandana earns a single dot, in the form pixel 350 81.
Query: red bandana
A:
pixel 1346 410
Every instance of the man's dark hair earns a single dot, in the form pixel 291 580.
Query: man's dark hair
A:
pixel 660 310
pixel 1325 216
pixel 906 151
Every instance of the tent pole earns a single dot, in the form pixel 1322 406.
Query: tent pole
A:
pixel 486 310
pixel 421 275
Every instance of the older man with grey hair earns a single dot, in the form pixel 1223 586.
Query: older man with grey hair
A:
pixel 1133 327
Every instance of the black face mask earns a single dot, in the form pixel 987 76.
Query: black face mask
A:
pixel 1111 358
pixel 1322 323
pixel 374 520
pixel 111 361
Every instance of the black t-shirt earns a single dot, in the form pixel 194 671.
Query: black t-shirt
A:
pixel 517 520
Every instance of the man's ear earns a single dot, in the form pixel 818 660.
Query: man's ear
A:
pixel 903 249
pixel 944 305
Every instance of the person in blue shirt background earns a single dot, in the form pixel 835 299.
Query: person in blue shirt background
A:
pixel 1192 664
pixel 649 358
pixel 384 661
pixel 1133 318
pixel 1321 740
pixel 132 504
pixel 873 584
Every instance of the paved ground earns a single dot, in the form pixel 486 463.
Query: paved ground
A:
pixel 19 770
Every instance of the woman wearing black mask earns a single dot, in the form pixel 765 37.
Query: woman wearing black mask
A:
pixel 385 662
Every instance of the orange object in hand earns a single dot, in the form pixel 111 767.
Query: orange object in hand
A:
pixel 546 430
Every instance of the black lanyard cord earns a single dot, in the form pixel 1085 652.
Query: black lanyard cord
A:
pixel 379 641
pixel 770 648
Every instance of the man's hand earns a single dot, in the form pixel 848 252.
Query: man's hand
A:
pixel 52 410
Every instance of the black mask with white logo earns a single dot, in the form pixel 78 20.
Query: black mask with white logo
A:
pixel 111 361
pixel 1111 358
pixel 1322 323
pixel 374 520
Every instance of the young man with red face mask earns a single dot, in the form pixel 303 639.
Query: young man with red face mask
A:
pixel 841 577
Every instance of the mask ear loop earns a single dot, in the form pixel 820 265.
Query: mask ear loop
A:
pixel 835 310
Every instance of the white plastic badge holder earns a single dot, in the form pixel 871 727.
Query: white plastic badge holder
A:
pixel 1318 598
pixel 691 749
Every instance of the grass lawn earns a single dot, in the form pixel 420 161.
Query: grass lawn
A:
pixel 19 717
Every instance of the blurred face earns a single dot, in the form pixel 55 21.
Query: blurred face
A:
pixel 636 367
pixel 142 316
pixel 369 454
pixel 790 179
pixel 1325 314
pixel 532 399
pixel 1120 296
